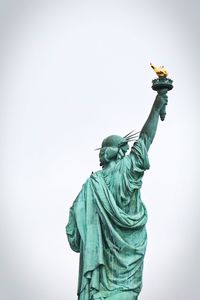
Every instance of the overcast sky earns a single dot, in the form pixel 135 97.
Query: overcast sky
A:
pixel 72 73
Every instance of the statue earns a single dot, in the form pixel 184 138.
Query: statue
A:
pixel 107 220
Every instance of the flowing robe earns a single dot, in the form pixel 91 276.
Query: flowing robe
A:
pixel 107 226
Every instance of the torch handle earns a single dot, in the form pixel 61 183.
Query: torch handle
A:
pixel 163 113
pixel 163 109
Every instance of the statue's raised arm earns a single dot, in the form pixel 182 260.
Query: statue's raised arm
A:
pixel 149 129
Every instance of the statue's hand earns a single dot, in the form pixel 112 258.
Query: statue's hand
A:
pixel 161 100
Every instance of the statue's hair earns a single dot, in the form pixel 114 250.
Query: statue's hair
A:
pixel 108 154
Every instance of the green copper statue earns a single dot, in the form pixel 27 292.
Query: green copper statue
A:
pixel 107 220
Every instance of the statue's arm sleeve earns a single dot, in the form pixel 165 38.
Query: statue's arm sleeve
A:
pixel 139 156
pixel 72 232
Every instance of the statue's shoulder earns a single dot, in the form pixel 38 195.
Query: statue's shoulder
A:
pixel 96 175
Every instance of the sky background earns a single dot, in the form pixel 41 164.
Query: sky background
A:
pixel 72 73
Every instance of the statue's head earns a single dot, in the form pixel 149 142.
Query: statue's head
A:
pixel 114 147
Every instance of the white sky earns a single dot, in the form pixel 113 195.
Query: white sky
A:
pixel 72 73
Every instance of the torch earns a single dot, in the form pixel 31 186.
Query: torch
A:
pixel 162 85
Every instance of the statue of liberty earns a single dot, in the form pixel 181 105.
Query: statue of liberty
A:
pixel 107 220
